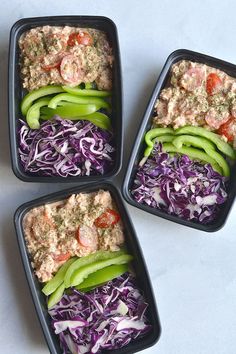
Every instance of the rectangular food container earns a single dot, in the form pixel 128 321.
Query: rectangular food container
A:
pixel 133 246
pixel 16 92
pixel 139 145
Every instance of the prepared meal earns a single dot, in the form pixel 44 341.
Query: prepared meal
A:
pixel 78 251
pixel 66 128
pixel 190 147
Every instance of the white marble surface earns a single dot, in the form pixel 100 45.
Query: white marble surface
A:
pixel 193 273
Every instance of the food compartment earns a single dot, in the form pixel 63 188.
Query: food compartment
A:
pixel 65 100
pixel 183 160
pixel 98 263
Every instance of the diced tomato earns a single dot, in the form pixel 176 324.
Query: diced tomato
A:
pixel 225 129
pixel 80 38
pixel 62 257
pixel 108 218
pixel 87 237
pixel 84 38
pixel 213 83
pixel 72 39
pixel 70 69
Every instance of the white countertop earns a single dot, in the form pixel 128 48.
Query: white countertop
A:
pixel 193 273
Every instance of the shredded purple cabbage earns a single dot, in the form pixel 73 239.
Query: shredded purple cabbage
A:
pixel 64 148
pixel 108 317
pixel 180 186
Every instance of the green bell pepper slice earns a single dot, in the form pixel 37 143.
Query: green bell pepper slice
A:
pixel 194 154
pixel 103 275
pixel 164 139
pixel 58 278
pixel 56 296
pixel 152 134
pixel 35 94
pixel 91 258
pixel 33 113
pixel 99 102
pixel 70 111
pixel 215 138
pixel 87 91
pixel 81 274
pixel 204 144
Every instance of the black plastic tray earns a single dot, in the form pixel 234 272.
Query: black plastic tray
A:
pixel 139 266
pixel 139 145
pixel 16 92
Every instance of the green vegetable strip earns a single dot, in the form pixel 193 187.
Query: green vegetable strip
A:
pixel 215 138
pixel 34 95
pixel 81 274
pixel 164 139
pixel 99 102
pixel 103 275
pixel 193 153
pixel 84 261
pixel 204 144
pixel 33 113
pixel 86 92
pixel 71 112
pixel 152 134
pixel 56 296
pixel 190 140
pixel 58 279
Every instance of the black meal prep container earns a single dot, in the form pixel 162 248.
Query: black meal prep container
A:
pixel 143 280
pixel 139 145
pixel 16 92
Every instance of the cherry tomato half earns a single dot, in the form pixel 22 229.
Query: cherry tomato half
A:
pixel 62 257
pixel 80 38
pixel 225 129
pixel 213 83
pixel 108 218
pixel 87 236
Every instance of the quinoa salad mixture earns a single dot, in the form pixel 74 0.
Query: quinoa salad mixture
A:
pixel 57 231
pixel 65 56
pixel 198 95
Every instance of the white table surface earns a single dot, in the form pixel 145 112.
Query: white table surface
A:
pixel 193 273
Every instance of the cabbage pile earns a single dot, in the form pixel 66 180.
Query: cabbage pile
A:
pixel 179 186
pixel 64 148
pixel 108 317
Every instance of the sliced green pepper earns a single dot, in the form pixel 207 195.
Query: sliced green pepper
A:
pixel 84 261
pixel 58 279
pixel 190 140
pixel 215 138
pixel 35 94
pixel 56 296
pixel 70 111
pixel 204 144
pixel 164 139
pixel 103 275
pixel 33 113
pixel 152 134
pixel 86 92
pixel 99 119
pixel 99 102
pixel 82 273
pixel 193 153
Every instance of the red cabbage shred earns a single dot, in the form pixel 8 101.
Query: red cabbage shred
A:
pixel 180 186
pixel 93 321
pixel 64 148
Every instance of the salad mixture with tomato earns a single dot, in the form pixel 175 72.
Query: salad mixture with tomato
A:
pixel 190 147
pixel 67 72
pixel 198 95
pixel 52 55
pixel 77 249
